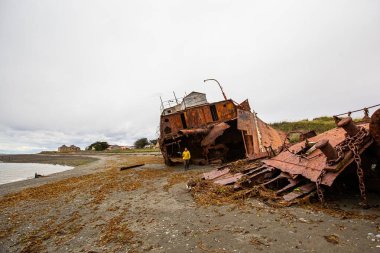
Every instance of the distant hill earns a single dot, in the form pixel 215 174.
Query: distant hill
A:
pixel 320 125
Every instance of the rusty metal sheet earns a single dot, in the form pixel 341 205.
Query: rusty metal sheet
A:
pixel 312 166
pixel 245 121
pixel 299 192
pixel 226 110
pixel 307 135
pixel 170 124
pixel 214 133
pixel 229 180
pixel 198 116
pixel 245 105
pixel 269 136
pixel 215 174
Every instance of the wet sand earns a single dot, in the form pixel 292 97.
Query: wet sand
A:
pixel 98 208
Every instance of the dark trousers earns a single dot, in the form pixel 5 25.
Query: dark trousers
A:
pixel 186 163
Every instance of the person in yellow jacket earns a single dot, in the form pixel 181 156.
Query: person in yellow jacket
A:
pixel 186 158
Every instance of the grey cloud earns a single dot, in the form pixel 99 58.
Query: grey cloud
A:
pixel 78 71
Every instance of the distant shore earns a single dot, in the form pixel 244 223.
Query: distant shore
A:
pixel 61 159
pixel 71 159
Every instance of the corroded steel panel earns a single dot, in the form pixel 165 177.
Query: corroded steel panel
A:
pixel 172 122
pixel 270 136
pixel 258 134
pixel 215 132
pixel 229 179
pixel 226 110
pixel 198 116
pixel 215 174
pixel 245 121
pixel 311 167
pixel 245 105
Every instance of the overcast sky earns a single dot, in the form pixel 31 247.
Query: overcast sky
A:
pixel 74 72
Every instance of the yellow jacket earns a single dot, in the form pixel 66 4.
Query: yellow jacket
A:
pixel 186 155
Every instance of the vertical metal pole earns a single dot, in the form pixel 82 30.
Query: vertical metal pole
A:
pixel 245 145
pixel 176 100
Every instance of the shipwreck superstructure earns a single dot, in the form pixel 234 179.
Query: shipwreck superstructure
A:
pixel 216 132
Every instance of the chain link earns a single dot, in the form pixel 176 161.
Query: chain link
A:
pixel 319 188
pixel 349 144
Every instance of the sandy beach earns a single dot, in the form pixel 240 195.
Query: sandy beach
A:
pixel 95 207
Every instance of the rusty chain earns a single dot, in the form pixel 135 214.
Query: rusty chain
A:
pixel 354 147
pixel 349 144
pixel 319 188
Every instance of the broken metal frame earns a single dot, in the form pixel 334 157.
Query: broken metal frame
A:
pixel 328 156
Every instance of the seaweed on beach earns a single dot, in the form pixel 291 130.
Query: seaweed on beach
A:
pixel 177 178
pixel 207 193
pixel 116 231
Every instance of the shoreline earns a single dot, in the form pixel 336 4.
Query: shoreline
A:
pixel 15 172
pixel 95 164
pixel 99 208
pixel 83 164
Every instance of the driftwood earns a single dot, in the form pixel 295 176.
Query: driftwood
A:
pixel 131 166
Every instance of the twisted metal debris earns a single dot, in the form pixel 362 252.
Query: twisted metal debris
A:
pixel 311 167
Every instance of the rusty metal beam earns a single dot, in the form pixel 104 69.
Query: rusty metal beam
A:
pixel 194 131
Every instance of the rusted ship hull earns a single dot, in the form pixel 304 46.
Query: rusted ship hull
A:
pixel 217 132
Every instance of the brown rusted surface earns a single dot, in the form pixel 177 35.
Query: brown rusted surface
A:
pixel 327 149
pixel 312 165
pixel 245 105
pixel 349 126
pixel 307 135
pixel 300 170
pixel 194 131
pixel 229 180
pixel 258 135
pixel 269 137
pixel 171 124
pixel 215 174
pixel 245 121
pixel 215 132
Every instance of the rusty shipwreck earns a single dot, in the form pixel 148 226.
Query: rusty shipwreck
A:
pixel 216 132
pixel 341 160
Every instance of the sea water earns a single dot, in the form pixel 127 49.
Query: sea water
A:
pixel 12 172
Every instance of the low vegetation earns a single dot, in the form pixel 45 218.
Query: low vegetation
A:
pixel 319 125
pixel 141 143
pixel 98 146
pixel 132 151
